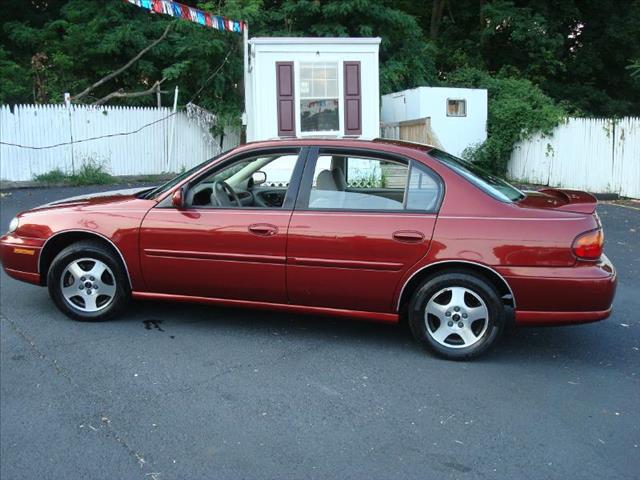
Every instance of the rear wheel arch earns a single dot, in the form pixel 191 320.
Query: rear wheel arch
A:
pixel 59 241
pixel 488 273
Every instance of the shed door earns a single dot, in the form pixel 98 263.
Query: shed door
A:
pixel 286 100
pixel 352 99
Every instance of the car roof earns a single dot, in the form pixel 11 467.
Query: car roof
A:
pixel 390 145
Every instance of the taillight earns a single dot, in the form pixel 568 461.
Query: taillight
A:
pixel 588 246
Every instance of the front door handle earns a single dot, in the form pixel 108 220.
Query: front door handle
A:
pixel 263 229
pixel 408 236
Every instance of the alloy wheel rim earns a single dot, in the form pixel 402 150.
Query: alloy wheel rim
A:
pixel 456 317
pixel 88 285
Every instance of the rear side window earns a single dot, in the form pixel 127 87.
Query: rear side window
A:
pixel 355 182
pixel 489 183
pixel 423 190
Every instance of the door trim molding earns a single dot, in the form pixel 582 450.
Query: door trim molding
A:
pixel 228 257
pixel 349 264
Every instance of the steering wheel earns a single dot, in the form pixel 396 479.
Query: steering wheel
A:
pixel 220 195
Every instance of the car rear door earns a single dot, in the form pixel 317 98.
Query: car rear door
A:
pixel 362 218
pixel 228 252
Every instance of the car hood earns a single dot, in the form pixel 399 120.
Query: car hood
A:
pixel 100 198
pixel 560 199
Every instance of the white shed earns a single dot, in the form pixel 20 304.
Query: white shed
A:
pixel 298 87
pixel 457 116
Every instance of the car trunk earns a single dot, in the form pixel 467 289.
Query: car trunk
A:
pixel 560 199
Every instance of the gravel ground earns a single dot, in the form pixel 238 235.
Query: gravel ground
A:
pixel 172 391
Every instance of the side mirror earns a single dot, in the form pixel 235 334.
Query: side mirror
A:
pixel 177 199
pixel 259 177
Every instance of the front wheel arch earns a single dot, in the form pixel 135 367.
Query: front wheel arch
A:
pixel 59 241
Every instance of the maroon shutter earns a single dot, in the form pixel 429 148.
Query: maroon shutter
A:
pixel 286 106
pixel 352 102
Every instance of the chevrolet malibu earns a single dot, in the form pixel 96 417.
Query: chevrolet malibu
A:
pixel 376 230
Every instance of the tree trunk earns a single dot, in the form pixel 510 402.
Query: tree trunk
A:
pixel 436 18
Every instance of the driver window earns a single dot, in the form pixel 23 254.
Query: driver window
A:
pixel 256 182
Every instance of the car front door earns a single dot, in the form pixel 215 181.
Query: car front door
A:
pixel 229 239
pixel 362 219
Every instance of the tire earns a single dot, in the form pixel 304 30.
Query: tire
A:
pixel 457 315
pixel 87 282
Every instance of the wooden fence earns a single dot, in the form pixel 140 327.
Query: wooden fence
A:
pixel 417 131
pixel 134 140
pixel 593 154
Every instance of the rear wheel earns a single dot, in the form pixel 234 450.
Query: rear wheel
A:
pixel 87 282
pixel 456 315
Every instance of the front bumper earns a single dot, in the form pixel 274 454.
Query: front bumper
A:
pixel 561 296
pixel 19 257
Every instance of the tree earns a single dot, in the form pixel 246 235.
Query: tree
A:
pixel 407 59
pixel 517 110
pixel 82 47
pixel 576 51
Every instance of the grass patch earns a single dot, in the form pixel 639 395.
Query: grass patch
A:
pixel 90 173
pixel 52 176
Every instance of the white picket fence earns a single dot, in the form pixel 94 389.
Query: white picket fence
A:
pixel 593 154
pixel 140 151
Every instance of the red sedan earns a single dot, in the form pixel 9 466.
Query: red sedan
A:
pixel 372 230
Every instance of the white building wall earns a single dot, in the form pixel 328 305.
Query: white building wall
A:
pixel 454 133
pixel 262 108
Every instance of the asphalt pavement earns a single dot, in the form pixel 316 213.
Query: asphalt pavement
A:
pixel 175 391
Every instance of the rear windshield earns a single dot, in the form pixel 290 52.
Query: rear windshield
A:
pixel 494 186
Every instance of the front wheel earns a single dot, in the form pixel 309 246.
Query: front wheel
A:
pixel 87 282
pixel 457 315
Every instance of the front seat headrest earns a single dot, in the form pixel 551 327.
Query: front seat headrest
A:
pixel 325 181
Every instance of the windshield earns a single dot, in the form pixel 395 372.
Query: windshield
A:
pixel 494 186
pixel 176 180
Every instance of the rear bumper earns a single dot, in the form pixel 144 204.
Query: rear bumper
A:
pixel 533 318
pixel 19 257
pixel 562 296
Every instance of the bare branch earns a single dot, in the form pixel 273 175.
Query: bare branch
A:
pixel 123 68
pixel 120 93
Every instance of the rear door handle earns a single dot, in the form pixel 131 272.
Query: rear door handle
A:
pixel 408 236
pixel 263 229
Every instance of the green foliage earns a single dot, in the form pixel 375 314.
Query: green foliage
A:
pixel 517 110
pixel 407 59
pixel 376 178
pixel 91 172
pixel 84 40
pixel 81 46
pixel 508 31
pixel 634 69
pixel 52 177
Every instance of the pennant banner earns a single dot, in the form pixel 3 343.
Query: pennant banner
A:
pixel 175 9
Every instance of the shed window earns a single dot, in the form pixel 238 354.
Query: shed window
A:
pixel 456 108
pixel 319 101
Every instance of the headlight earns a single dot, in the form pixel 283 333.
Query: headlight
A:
pixel 13 225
